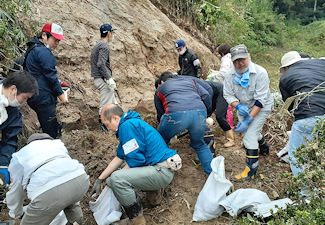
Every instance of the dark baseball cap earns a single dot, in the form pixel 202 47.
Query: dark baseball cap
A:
pixel 179 44
pixel 239 52
pixel 106 28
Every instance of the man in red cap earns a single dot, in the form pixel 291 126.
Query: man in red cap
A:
pixel 41 63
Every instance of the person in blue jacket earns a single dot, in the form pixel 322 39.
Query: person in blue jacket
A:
pixel 182 104
pixel 14 90
pixel 150 164
pixel 41 63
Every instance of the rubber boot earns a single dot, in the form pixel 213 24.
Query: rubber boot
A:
pixel 251 166
pixel 135 214
pixel 230 138
pixel 263 147
pixel 209 139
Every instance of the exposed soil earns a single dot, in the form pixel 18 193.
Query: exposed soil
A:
pixel 142 49
pixel 95 149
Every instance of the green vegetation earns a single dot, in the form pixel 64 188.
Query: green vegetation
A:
pixel 13 31
pixel 269 28
pixel 303 11
pixel 312 156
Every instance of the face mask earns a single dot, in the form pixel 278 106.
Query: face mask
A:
pixel 112 39
pixel 15 102
pixel 182 52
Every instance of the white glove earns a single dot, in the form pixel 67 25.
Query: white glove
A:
pixel 111 83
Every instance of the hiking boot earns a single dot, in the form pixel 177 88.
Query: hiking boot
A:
pixel 230 138
pixel 263 147
pixel 251 166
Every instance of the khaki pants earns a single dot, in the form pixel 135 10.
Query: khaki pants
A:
pixel 44 208
pixel 147 178
pixel 106 93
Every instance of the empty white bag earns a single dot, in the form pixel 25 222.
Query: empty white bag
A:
pixel 106 209
pixel 214 190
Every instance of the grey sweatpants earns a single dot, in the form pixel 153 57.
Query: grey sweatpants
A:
pixel 44 208
pixel 253 133
pixel 147 178
pixel 106 93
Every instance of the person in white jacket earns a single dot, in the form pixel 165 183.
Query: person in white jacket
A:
pixel 53 182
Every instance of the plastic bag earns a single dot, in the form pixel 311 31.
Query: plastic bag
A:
pixel 60 219
pixel 244 199
pixel 214 190
pixel 106 209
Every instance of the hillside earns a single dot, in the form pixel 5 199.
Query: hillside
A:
pixel 141 50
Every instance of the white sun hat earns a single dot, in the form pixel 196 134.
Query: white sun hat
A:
pixel 290 58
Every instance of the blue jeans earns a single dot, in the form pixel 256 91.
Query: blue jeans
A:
pixel 194 121
pixel 300 130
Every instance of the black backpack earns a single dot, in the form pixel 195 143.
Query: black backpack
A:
pixel 20 62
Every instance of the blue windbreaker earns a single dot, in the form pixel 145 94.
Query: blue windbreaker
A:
pixel 140 144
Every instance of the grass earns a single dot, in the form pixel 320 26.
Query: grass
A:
pixel 308 40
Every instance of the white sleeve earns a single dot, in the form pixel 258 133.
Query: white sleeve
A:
pixel 15 197
pixel 228 92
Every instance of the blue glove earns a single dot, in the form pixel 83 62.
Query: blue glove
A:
pixel 242 126
pixel 242 110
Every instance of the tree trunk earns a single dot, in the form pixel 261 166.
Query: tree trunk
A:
pixel 315 7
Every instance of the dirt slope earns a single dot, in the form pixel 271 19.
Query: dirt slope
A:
pixel 142 49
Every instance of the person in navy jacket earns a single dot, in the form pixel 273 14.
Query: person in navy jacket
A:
pixel 182 104
pixel 14 90
pixel 150 164
pixel 41 63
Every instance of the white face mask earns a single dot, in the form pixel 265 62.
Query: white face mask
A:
pixel 3 104
pixel 182 52
pixel 15 102
pixel 111 39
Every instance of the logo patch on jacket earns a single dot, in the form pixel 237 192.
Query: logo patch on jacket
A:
pixel 130 146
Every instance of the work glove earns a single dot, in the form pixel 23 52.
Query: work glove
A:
pixel 96 187
pixel 242 126
pixel 111 83
pixel 242 110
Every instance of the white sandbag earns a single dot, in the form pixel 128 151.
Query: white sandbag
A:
pixel 60 219
pixel 106 209
pixel 264 210
pixel 214 190
pixel 244 199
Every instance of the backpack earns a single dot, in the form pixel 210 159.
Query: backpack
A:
pixel 20 62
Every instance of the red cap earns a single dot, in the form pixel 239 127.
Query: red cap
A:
pixel 54 29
